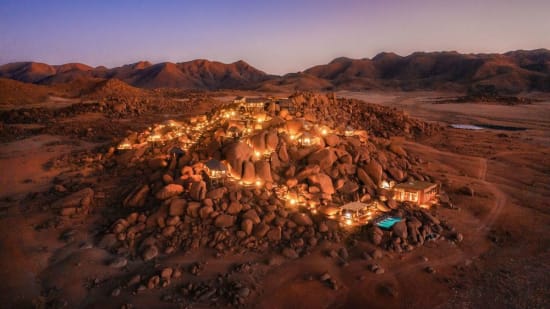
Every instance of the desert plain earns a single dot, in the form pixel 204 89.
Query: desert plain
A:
pixel 492 250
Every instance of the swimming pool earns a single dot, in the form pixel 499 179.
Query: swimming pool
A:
pixel 388 222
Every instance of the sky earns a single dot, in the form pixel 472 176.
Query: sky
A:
pixel 274 36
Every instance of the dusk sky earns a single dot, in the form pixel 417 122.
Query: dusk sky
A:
pixel 276 36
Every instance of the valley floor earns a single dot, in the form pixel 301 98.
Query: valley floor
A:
pixel 503 261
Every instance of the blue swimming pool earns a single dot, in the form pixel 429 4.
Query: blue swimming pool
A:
pixel 388 222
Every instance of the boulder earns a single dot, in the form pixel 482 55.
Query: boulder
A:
pixel 249 172
pixel 283 154
pixel 323 181
pixel 258 141
pixel 374 170
pixel 169 191
pixel 397 173
pixel 308 171
pixel 79 199
pixel 365 178
pixel 263 170
pixel 271 140
pixel 260 230
pixel 205 212
pixel 324 158
pixel 400 229
pixel 301 219
pixel 198 190
pixel 274 233
pixel 349 187
pixel 150 253
pixel 382 207
pixel 246 226
pixel 252 215
pixel 217 193
pixel 332 140
pixel 193 209
pixel 224 221
pixel 290 253
pixel 397 149
pixel 376 235
pixel 157 163
pixel 137 198
pixel 234 208
pixel 238 151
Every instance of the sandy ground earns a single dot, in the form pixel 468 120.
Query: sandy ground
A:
pixel 25 163
pixel 503 262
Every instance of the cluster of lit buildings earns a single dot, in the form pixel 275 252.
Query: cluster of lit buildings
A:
pixel 247 116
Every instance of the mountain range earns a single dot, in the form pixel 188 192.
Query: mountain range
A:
pixel 511 72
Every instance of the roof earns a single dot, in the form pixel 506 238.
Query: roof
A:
pixel 415 185
pixel 216 165
pixel 354 206
pixel 255 100
pixel 177 151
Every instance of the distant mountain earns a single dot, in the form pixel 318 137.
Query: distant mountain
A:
pixel 511 72
pixel 196 74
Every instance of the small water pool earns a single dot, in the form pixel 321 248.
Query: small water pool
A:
pixel 466 127
pixel 485 126
pixel 388 222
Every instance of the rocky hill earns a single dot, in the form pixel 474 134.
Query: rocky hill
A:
pixel 511 72
pixel 196 74
pixel 17 93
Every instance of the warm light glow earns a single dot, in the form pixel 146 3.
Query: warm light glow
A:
pixel 293 201
pixel 258 183
pixel 324 131
pixel 348 222
pixel 257 153
pixel 124 146
pixel 154 137
pixel 292 136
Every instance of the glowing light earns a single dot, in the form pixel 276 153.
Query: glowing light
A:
pixel 348 215
pixel 257 153
pixel 324 132
pixel 292 137
pixel 348 222
pixel 258 183
pixel 293 201
pixel 153 138
pixel 124 146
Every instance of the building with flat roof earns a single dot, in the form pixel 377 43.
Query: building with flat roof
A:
pixel 418 192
